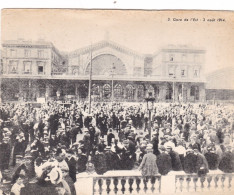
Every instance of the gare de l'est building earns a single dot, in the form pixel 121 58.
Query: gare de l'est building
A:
pixel 32 70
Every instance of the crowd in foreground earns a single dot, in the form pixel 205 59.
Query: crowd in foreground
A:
pixel 44 148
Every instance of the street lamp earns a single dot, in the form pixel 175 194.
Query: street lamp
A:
pixel 150 106
pixel 112 83
pixel 174 77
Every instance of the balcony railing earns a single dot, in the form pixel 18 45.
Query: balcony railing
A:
pixel 126 185
pixel 210 183
pixel 132 182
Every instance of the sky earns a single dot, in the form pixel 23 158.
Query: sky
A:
pixel 143 31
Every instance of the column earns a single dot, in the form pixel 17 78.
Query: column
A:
pixel 176 92
pixel 188 92
pixel 136 92
pixel 182 92
pixel 76 90
pixel 202 92
pixel 20 91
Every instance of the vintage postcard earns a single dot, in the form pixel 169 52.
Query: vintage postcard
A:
pixel 116 102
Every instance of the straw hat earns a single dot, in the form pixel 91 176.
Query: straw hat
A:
pixel 55 175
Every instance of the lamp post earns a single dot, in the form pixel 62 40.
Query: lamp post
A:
pixel 150 107
pixel 112 83
pixel 174 77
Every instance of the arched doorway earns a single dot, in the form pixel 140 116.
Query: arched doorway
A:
pixel 106 64
pixel 169 91
pixel 83 91
pixel 118 91
pixel 140 92
pixel 95 92
pixel 106 91
pixel 156 92
pixel 194 92
pixel 129 92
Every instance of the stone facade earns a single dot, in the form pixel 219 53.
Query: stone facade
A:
pixel 37 69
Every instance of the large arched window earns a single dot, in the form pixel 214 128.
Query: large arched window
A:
pixel 130 92
pixel 156 92
pixel 140 93
pixel 194 91
pixel 95 89
pixel 83 91
pixel 107 64
pixel 150 91
pixel 118 91
pixel 106 91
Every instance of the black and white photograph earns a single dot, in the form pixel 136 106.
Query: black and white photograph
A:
pixel 96 102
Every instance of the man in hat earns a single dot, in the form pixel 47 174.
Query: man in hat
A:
pixel 20 146
pixel 175 159
pixel 212 158
pixel 163 161
pixel 190 161
pixel 99 161
pixel 71 162
pixel 128 158
pixel 5 152
pixel 227 161
pixel 82 160
pixel 86 141
pixel 110 136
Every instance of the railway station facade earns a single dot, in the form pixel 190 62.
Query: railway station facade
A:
pixel 32 70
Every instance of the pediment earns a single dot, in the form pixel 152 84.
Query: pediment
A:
pixel 107 45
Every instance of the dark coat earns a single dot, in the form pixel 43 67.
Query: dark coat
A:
pixel 213 160
pixel 110 136
pixel 227 162
pixel 99 161
pixel 72 168
pixel 112 160
pixel 164 163
pixel 81 163
pixel 5 152
pixel 127 160
pixel 190 163
pixel 175 161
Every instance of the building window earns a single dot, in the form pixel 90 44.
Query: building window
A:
pixel 13 53
pixel 118 91
pixel 169 92
pixel 40 67
pixel 27 53
pixel 13 67
pixel 140 92
pixel 40 53
pixel 194 92
pixel 196 72
pixel 171 57
pixel 129 92
pixel 171 71
pixel 107 91
pixel 95 90
pixel 183 73
pixel 27 67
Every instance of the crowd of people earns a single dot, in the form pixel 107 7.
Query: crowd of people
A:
pixel 46 146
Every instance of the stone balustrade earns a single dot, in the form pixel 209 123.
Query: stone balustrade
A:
pixel 212 182
pixel 132 182
pixel 126 185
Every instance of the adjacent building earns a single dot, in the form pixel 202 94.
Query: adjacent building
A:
pixel 37 69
